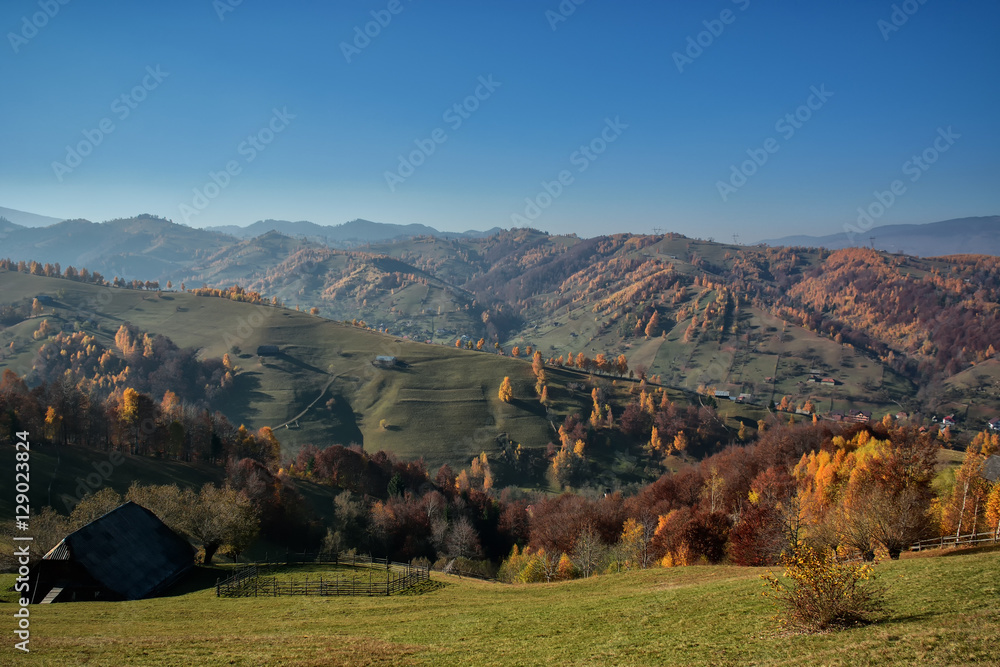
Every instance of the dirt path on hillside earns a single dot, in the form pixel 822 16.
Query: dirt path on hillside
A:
pixel 309 407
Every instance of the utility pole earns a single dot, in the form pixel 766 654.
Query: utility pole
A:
pixel 736 239
pixel 872 240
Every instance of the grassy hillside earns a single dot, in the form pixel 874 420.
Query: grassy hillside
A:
pixel 59 474
pixel 322 388
pixel 894 327
pixel 942 611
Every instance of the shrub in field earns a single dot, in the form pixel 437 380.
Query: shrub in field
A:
pixel 818 592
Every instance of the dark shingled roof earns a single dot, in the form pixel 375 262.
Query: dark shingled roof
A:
pixel 129 551
pixel 991 469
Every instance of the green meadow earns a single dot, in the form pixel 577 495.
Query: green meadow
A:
pixel 943 610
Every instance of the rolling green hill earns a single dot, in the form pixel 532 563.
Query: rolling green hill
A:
pixel 441 403
pixel 889 330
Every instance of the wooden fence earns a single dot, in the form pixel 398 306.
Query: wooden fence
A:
pixel 252 581
pixel 971 539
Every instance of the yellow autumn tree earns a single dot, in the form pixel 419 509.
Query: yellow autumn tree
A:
pixel 506 390
pixel 680 442
pixel 566 570
pixel 536 363
pixel 632 545
pixel 53 424
pixel 993 511
pixel 655 441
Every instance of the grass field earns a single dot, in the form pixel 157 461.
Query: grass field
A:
pixel 943 610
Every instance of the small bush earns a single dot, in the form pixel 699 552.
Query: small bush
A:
pixel 818 592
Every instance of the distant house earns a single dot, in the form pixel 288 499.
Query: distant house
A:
pixel 385 361
pixel 991 469
pixel 859 416
pixel 744 398
pixel 268 351
pixel 127 554
pixel 836 416
pixel 995 424
pixel 45 300
pixel 949 420
pixel 902 416
pixel 832 381
pixel 722 394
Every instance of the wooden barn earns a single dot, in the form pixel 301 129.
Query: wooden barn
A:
pixel 991 469
pixel 127 554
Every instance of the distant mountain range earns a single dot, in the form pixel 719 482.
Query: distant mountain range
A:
pixel 148 247
pixel 26 219
pixel 962 236
pixel 349 233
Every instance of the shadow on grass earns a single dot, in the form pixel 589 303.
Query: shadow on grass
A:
pixel 199 579
pixel 534 407
pixel 423 587
pixel 247 387
pixel 963 551
pixel 301 364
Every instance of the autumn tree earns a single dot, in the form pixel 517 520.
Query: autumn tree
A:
pixel 589 552
pixel 993 511
pixel 711 492
pixel 94 506
pixel 506 393
pixel 53 424
pixel 536 363
pixel 818 591
pixel 45 329
pixel 655 442
pixel 653 327
pixel 462 540
pixel 566 570
pixel 168 502
pixel 961 512
pixel 222 517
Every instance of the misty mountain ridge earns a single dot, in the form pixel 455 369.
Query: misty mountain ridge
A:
pixel 961 236
pixel 349 233
pixel 25 219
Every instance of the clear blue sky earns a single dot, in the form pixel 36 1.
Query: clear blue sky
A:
pixel 557 88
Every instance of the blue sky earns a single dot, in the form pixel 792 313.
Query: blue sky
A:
pixel 326 125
